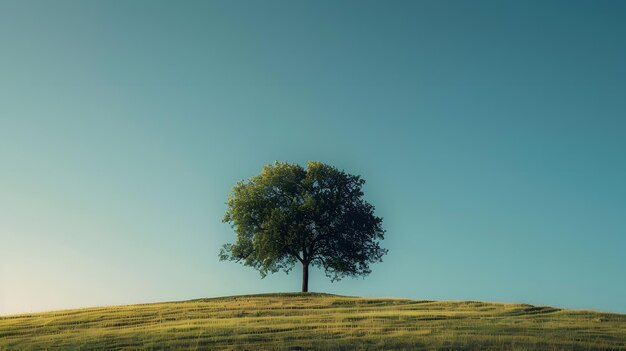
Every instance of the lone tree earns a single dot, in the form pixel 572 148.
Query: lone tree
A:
pixel 316 216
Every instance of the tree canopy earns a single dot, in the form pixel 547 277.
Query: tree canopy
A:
pixel 316 216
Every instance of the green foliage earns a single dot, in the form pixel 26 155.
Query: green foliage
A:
pixel 315 322
pixel 288 214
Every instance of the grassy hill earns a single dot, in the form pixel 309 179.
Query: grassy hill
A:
pixel 315 321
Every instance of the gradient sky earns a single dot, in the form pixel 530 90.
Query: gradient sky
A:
pixel 491 134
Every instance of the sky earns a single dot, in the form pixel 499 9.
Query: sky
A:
pixel 491 136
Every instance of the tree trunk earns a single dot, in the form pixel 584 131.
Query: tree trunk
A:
pixel 305 277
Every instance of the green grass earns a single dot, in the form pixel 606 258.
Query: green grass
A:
pixel 315 321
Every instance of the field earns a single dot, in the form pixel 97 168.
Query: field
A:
pixel 315 321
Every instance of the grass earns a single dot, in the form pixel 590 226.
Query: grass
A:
pixel 315 322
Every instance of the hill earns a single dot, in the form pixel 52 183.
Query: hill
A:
pixel 315 321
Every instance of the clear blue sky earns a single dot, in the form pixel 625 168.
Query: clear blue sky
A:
pixel 492 136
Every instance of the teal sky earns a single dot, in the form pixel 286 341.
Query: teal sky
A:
pixel 491 134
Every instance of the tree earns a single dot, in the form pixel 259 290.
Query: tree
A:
pixel 316 216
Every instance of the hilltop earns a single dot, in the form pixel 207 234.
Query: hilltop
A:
pixel 315 321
